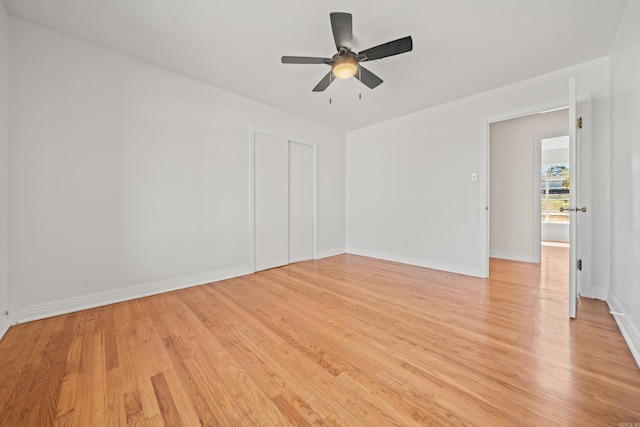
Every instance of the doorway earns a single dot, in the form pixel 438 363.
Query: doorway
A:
pixel 580 148
pixel 553 174
pixel 515 183
pixel 283 200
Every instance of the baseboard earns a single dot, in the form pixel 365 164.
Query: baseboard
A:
pixel 326 253
pixel 42 311
pixel 629 331
pixel 432 264
pixel 4 325
pixel 513 256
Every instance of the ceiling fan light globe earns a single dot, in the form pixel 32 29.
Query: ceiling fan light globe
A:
pixel 344 67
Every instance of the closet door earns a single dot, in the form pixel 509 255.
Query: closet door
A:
pixel 300 202
pixel 271 201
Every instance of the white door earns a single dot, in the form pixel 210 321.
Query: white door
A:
pixel 574 209
pixel 271 201
pixel 301 197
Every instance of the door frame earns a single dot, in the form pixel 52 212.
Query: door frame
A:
pixel 486 166
pixel 584 108
pixel 252 224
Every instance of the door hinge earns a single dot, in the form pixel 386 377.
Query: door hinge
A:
pixel 579 266
pixel 579 123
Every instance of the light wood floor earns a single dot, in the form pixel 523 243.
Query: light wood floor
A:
pixel 345 341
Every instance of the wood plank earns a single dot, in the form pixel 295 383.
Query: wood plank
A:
pixel 115 401
pixel 168 408
pixel 342 341
pixel 27 375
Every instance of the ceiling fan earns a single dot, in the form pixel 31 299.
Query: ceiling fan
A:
pixel 346 63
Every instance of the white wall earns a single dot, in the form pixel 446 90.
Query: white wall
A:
pixel 128 179
pixel 624 294
pixel 4 164
pixel 514 205
pixel 557 156
pixel 556 232
pixel 408 178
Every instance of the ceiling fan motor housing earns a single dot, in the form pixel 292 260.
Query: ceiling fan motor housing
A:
pixel 344 64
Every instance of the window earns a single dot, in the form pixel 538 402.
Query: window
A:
pixel 555 193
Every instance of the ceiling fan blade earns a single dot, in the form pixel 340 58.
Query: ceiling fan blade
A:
pixel 305 60
pixel 367 77
pixel 395 47
pixel 324 83
pixel 342 26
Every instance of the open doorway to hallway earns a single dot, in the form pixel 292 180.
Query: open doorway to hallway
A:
pixel 529 196
pixel 516 213
pixel 516 180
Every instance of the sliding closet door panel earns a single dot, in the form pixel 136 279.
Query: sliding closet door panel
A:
pixel 300 202
pixel 271 202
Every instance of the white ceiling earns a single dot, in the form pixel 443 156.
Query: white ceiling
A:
pixel 461 47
